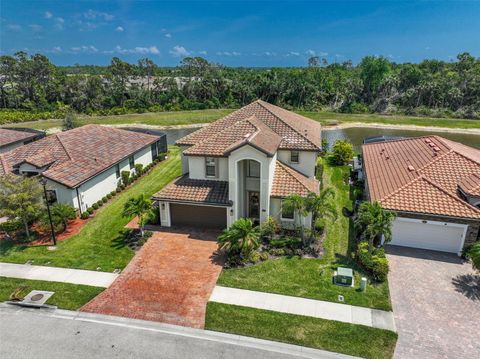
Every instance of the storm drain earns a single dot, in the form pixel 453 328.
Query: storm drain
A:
pixel 36 299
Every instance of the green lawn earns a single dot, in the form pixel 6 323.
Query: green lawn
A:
pixel 312 278
pixel 357 340
pixel 99 243
pixel 67 296
pixel 205 116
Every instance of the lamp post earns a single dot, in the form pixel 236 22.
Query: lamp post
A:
pixel 43 182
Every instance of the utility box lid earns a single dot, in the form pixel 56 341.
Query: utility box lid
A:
pixel 344 272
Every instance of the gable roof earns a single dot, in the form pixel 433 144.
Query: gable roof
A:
pixel 422 175
pixel 74 156
pixel 293 132
pixel 8 137
pixel 287 180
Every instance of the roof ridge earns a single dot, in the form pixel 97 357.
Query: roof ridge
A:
pixel 401 188
pixel 399 139
pixel 57 136
pixel 261 103
pixel 435 160
pixel 442 140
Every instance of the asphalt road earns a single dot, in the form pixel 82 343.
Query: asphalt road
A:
pixel 32 333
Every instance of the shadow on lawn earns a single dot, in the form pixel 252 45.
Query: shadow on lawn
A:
pixel 119 242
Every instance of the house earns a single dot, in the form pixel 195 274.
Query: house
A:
pixel 243 165
pixel 16 137
pixel 433 185
pixel 84 164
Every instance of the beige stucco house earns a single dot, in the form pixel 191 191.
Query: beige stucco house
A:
pixel 243 165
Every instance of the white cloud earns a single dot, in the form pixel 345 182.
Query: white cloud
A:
pixel 321 53
pixel 153 50
pixel 119 29
pixel 56 49
pixel 203 52
pixel 35 27
pixel 59 22
pixel 310 52
pixel 14 27
pixel 179 51
pixel 47 15
pixel 168 35
pixel 93 15
pixel 228 53
pixel 87 49
pixel 293 53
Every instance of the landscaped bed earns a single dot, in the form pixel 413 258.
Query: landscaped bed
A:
pixel 329 335
pixel 67 296
pixel 100 244
pixel 312 278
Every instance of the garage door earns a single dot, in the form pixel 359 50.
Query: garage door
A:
pixel 201 216
pixel 431 235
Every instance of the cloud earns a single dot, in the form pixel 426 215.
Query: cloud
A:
pixel 14 27
pixel 228 53
pixel 203 52
pixel 87 49
pixel 293 53
pixel 47 15
pixel 56 50
pixel 59 22
pixel 119 29
pixel 152 50
pixel 93 15
pixel 35 27
pixel 168 35
pixel 269 53
pixel 310 52
pixel 321 53
pixel 179 51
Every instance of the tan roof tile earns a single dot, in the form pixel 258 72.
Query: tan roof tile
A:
pixel 287 181
pixel 422 175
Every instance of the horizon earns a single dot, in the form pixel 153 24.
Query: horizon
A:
pixel 259 35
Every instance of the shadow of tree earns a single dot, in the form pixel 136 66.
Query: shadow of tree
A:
pixel 468 285
pixel 120 241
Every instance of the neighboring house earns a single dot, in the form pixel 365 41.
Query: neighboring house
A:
pixel 13 138
pixel 243 165
pixel 433 184
pixel 84 164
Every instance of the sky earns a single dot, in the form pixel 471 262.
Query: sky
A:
pixel 248 33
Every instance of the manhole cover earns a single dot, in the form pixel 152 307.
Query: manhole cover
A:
pixel 36 297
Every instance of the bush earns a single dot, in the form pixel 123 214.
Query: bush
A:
pixel 109 196
pixel 113 193
pixel 342 152
pixel 269 227
pixel 95 206
pixel 138 169
pixel 104 199
pixel 277 252
pixel 254 257
pixel 320 225
pixel 263 256
pixel 84 215
pixel 89 210
pixel 375 263
pixel 10 226
pixel 125 178
pixel 99 203
pixel 153 217
pixel 287 242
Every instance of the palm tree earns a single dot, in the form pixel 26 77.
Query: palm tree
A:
pixel 320 206
pixel 374 221
pixel 139 207
pixel 241 237
pixel 474 255
pixel 297 203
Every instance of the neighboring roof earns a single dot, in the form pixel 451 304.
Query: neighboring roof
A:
pixel 295 132
pixel 8 137
pixel 422 175
pixel 184 189
pixel 75 156
pixel 248 131
pixel 287 180
pixel 471 184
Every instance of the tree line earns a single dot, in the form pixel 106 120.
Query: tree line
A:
pixel 432 87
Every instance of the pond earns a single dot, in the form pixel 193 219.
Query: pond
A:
pixel 356 135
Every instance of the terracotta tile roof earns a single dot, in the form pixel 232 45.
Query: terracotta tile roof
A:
pixel 11 136
pixel 74 156
pixel 471 184
pixel 296 132
pixel 287 180
pixel 185 189
pixel 422 175
pixel 248 131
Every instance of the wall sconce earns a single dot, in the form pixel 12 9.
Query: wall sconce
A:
pixel 163 205
pixel 231 211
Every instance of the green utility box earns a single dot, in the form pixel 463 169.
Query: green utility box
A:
pixel 343 276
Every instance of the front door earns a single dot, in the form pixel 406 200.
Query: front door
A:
pixel 254 205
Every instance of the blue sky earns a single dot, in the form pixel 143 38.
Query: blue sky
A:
pixel 248 33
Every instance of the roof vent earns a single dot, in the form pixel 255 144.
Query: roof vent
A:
pixel 387 157
pixel 411 168
pixel 436 149
pixel 431 144
pixel 428 140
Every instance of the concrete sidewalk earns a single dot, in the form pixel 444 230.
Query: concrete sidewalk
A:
pixel 54 274
pixel 303 306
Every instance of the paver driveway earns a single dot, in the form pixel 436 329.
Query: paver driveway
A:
pixel 436 303
pixel 169 280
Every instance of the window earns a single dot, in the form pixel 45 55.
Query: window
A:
pixel 253 169
pixel 117 170
pixel 287 213
pixel 153 149
pixel 210 167
pixel 131 161
pixel 294 157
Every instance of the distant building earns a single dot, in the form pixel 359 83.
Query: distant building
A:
pixel 15 137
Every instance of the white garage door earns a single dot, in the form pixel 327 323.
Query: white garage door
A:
pixel 436 236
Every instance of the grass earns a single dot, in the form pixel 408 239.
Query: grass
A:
pixel 100 242
pixel 317 333
pixel 205 116
pixel 312 278
pixel 67 296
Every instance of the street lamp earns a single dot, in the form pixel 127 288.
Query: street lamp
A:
pixel 43 182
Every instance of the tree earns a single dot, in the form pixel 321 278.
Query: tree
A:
pixel 313 61
pixel 374 221
pixel 139 207
pixel 474 255
pixel 342 152
pixel 62 213
pixel 20 197
pixel 373 71
pixel 242 237
pixel 320 206
pixel 70 121
pixel 297 203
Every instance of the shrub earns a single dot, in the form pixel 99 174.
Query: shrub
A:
pixel 342 152
pixel 153 217
pixel 125 178
pixel 254 257
pixel 113 193
pixel 269 227
pixel 376 263
pixel 99 203
pixel 109 196
pixel 95 206
pixel 84 215
pixel 104 199
pixel 286 242
pixel 277 252
pixel 320 225
pixel 138 169
pixel 263 256
pixel 89 210
pixel 10 226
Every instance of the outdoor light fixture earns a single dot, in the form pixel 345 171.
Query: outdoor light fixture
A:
pixel 43 182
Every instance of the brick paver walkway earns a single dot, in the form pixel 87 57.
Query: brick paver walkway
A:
pixel 169 280
pixel 436 303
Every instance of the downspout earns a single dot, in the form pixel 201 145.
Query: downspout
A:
pixel 78 199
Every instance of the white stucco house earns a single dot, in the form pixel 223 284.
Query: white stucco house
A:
pixel 84 164
pixel 13 138
pixel 243 165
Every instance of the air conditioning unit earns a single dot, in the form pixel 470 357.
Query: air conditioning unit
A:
pixel 343 276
